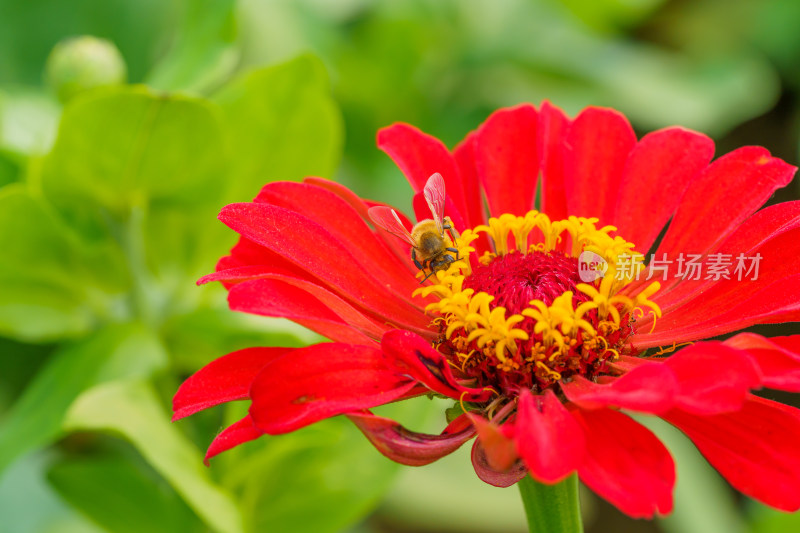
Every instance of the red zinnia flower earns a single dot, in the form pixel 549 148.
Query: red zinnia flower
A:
pixel 543 363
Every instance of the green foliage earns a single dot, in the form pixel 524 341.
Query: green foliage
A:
pixel 611 15
pixel 270 109
pixel 28 120
pixel 9 168
pixel 766 520
pixel 164 149
pixel 132 410
pixel 29 30
pixel 333 469
pixel 113 492
pixel 105 236
pixel 204 52
pixel 40 298
pixel 28 503
pixel 37 417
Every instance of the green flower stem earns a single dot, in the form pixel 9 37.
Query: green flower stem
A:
pixel 552 508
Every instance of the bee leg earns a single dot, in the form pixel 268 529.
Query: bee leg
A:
pixel 426 277
pixel 414 258
pixel 448 225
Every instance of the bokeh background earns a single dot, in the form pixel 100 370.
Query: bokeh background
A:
pixel 116 155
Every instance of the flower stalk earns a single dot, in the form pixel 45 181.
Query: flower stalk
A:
pixel 551 508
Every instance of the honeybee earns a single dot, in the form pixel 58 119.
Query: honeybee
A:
pixel 430 247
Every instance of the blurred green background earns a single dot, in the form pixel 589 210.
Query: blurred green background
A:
pixel 116 153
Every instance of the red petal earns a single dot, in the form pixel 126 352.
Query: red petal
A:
pixel 249 260
pixel 778 358
pixel 713 378
pixel 500 450
pixel 626 363
pixel 710 305
pixel 730 190
pixel 464 155
pixel 626 464
pixel 342 192
pixel 789 342
pixel 548 438
pixel 312 248
pixel 398 249
pixel 778 302
pixel 333 318
pixel 409 447
pixel 413 356
pixel 598 144
pixel 418 155
pixel 321 381
pixel 649 388
pixel 344 224
pixel 658 171
pixel 552 132
pixel 507 161
pixel 234 435
pixel 754 448
pixel 495 477
pixel 223 380
pixel 236 274
pixel 749 239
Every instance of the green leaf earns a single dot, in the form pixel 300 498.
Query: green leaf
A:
pixel 764 519
pixel 125 147
pixel 203 53
pixel 52 285
pixel 10 167
pixel 132 410
pixel 329 467
pixel 190 249
pixel 36 417
pixel 18 364
pixel 29 505
pixel 611 15
pixel 35 246
pixel 145 170
pixel 39 298
pixel 40 312
pixel 284 125
pixel 28 120
pixel 194 339
pixel 138 501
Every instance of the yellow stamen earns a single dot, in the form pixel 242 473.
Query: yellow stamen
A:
pixel 562 325
pixel 662 350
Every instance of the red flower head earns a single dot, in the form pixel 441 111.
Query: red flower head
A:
pixel 543 325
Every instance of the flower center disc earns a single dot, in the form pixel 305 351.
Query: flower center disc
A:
pixel 521 317
pixel 514 279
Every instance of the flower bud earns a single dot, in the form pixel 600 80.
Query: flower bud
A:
pixel 80 63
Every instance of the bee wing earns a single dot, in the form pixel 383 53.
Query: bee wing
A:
pixel 387 218
pixel 434 195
